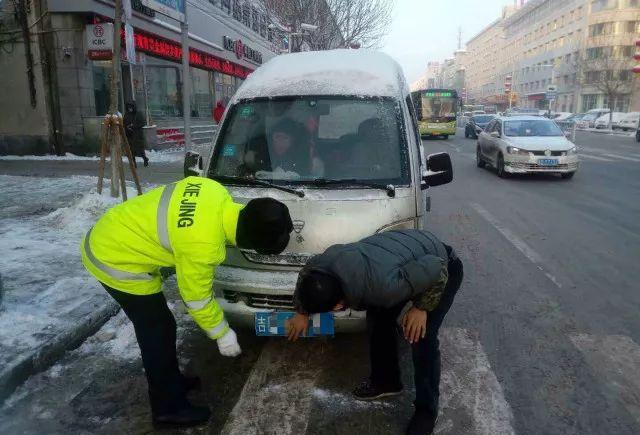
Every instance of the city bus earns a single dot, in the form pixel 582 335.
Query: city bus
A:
pixel 436 110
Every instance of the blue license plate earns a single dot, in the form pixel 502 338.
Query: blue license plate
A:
pixel 273 323
pixel 548 162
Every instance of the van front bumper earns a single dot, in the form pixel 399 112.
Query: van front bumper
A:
pixel 243 292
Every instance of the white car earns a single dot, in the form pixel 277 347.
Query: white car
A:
pixel 603 121
pixel 526 144
pixel 560 116
pixel 629 121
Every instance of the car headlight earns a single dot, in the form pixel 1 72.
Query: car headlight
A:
pixel 517 151
pixel 572 151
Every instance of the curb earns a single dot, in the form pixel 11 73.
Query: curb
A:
pixel 17 372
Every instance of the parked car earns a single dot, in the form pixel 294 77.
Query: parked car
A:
pixel 629 121
pixel 589 120
pixel 352 165
pixel 476 124
pixel 603 121
pixel 526 144
pixel 561 116
pixel 638 135
pixel 478 112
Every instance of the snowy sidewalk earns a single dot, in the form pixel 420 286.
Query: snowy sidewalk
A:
pixel 50 302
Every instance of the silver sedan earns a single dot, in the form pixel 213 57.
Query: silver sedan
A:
pixel 526 144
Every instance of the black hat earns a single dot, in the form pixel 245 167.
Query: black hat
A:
pixel 264 224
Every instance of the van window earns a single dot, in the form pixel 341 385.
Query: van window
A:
pixel 302 140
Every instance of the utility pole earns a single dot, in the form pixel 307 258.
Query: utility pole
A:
pixel 113 100
pixel 186 81
pixel 460 38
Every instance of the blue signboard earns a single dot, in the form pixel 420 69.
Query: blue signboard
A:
pixel 171 8
pixel 273 323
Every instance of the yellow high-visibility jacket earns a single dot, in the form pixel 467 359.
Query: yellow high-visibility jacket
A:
pixel 186 224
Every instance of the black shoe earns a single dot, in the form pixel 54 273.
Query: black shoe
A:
pixel 184 417
pixel 422 423
pixel 191 383
pixel 146 162
pixel 367 390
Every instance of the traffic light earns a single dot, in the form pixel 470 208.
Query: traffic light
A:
pixel 507 84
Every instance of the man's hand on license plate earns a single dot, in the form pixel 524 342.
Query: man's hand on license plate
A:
pixel 295 326
pixel 414 325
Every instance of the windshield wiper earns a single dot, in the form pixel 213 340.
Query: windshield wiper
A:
pixel 389 188
pixel 257 182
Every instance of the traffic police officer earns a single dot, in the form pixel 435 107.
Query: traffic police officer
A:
pixel 186 224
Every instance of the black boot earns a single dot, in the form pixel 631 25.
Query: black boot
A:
pixel 422 423
pixel 367 390
pixel 185 416
pixel 146 161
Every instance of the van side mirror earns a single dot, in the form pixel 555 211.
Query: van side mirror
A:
pixel 440 170
pixel 192 164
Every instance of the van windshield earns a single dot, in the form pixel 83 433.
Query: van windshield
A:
pixel 305 140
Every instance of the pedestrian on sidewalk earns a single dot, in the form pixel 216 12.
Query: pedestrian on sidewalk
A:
pixel 186 224
pixel 218 112
pixel 407 281
pixel 133 123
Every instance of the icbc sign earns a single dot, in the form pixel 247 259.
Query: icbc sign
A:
pixel 99 41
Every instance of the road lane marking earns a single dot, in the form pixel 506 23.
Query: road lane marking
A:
pixel 516 241
pixel 616 360
pixel 469 384
pixel 616 156
pixel 588 156
pixel 276 398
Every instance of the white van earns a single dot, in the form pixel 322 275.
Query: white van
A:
pixel 333 135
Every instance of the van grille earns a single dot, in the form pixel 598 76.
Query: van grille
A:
pixel 256 300
pixel 286 259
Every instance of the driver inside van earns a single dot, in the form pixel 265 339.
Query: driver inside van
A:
pixel 289 152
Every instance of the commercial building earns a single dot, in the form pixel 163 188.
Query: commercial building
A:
pixel 573 45
pixel 55 91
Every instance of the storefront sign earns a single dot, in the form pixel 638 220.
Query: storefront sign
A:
pixel 160 47
pixel 241 50
pixel 99 41
pixel 171 8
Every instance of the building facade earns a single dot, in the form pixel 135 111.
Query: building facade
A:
pixel 57 91
pixel 570 44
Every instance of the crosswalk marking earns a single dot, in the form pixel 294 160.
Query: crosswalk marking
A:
pixel 283 385
pixel 469 383
pixel 616 359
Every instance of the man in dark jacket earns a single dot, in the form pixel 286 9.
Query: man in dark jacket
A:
pixel 133 123
pixel 405 278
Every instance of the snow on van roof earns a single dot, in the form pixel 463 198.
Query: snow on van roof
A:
pixel 332 72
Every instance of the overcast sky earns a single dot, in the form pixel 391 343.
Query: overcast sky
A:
pixel 425 30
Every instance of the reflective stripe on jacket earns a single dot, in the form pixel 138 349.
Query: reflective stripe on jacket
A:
pixel 186 224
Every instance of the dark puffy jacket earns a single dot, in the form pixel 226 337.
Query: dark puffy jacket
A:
pixel 388 269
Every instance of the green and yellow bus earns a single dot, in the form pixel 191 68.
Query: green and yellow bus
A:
pixel 436 110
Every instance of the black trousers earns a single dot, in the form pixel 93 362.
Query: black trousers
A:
pixel 155 329
pixel 383 347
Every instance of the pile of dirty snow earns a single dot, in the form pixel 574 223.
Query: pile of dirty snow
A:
pixel 41 226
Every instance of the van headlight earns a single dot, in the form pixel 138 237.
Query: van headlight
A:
pixel 517 151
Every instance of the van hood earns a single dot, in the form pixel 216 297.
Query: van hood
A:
pixel 541 143
pixel 325 217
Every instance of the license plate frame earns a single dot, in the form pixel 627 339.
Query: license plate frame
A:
pixel 548 162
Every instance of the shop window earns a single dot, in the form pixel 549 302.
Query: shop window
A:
pixel 164 89
pixel 589 101
pixel 633 27
pixel 201 94
pixel 246 15
pixel 102 86
pixel 255 20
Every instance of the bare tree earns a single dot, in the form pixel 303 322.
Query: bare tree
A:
pixel 606 71
pixel 341 23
